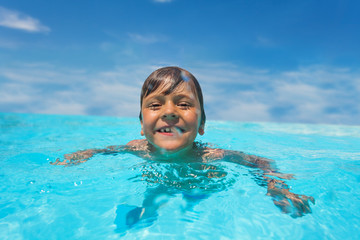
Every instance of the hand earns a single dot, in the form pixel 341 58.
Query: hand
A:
pixel 294 204
pixel 79 155
pixel 75 158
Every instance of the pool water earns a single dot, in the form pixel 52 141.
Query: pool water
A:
pixel 104 197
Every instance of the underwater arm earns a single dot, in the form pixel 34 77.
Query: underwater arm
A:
pixel 267 166
pixel 294 204
pixel 84 155
pixel 252 161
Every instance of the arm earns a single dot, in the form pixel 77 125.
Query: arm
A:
pixel 84 155
pixel 294 204
pixel 76 157
pixel 267 166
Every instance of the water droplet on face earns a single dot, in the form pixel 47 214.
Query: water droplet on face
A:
pixel 177 131
pixel 185 77
pixel 150 87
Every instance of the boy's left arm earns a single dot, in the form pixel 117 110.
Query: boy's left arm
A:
pixel 294 204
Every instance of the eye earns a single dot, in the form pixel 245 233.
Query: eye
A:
pixel 154 106
pixel 184 105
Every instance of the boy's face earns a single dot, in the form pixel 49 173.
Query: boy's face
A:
pixel 171 122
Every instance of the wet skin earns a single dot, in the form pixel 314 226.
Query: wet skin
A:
pixel 171 122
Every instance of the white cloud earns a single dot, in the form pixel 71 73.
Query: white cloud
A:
pixel 313 94
pixel 66 108
pixel 42 88
pixel 13 19
pixel 14 93
pixel 244 111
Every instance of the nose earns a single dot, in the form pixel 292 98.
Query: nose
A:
pixel 169 112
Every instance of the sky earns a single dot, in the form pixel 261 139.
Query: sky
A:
pixel 256 60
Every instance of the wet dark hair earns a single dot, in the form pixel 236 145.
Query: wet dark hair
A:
pixel 174 76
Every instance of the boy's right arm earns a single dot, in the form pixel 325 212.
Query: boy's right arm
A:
pixel 84 155
pixel 138 145
pixel 77 157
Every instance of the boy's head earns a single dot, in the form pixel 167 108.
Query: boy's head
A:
pixel 172 108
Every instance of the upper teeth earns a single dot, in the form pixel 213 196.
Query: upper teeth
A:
pixel 165 130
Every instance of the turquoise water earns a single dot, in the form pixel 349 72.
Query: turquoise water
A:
pixel 94 200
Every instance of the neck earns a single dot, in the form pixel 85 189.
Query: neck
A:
pixel 165 154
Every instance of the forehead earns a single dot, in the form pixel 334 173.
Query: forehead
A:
pixel 166 88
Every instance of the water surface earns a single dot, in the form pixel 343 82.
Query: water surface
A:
pixel 102 198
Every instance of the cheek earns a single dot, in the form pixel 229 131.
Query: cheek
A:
pixel 147 125
pixel 147 115
pixel 193 118
pixel 148 120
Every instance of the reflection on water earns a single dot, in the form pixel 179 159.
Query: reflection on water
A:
pixel 192 181
pixel 185 177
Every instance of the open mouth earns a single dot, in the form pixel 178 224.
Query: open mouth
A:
pixel 171 130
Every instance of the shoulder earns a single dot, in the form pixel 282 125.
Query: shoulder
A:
pixel 138 144
pixel 248 159
pixel 211 154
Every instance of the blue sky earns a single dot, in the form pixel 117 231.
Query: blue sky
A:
pixel 279 61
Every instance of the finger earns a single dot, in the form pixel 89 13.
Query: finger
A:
pixel 283 204
pixel 55 163
pixel 302 205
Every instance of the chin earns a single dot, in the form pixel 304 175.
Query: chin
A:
pixel 172 149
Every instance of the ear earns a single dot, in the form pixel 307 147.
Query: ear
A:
pixel 201 130
pixel 142 131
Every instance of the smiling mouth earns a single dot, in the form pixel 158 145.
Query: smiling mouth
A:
pixel 171 130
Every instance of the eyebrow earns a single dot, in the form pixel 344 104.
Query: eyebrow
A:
pixel 184 96
pixel 177 96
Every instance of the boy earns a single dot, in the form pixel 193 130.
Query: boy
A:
pixel 172 114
